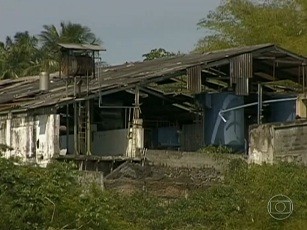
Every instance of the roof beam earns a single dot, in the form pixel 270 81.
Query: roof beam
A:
pixel 156 94
pixel 273 59
pixel 265 76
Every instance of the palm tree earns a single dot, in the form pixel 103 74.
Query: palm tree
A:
pixel 19 56
pixel 68 33
pixel 76 33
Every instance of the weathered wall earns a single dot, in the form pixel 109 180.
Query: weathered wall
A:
pixel 104 143
pixel 192 137
pixel 110 143
pixel 33 138
pixel 63 144
pixel 279 142
pixel 261 146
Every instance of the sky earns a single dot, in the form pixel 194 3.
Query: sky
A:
pixel 128 28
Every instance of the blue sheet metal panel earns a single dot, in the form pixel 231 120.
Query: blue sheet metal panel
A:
pixel 218 132
pixel 283 111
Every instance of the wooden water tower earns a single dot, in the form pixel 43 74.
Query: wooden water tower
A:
pixel 78 60
pixel 78 65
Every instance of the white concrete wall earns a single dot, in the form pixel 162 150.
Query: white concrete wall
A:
pixel 32 138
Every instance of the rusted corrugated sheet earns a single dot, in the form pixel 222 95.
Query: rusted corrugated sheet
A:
pixel 121 77
pixel 241 69
pixel 194 79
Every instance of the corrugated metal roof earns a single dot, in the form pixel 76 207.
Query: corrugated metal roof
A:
pixel 73 46
pixel 24 94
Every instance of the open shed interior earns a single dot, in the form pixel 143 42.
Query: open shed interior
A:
pixel 182 102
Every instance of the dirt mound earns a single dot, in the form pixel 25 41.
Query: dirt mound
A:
pixel 131 171
pixel 160 180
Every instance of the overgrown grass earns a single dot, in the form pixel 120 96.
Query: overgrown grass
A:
pixel 216 150
pixel 240 202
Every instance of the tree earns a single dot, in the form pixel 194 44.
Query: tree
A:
pixel 68 33
pixel 157 53
pixel 22 55
pixel 19 56
pixel 249 22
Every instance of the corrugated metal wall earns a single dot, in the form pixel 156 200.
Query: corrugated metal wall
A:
pixel 241 69
pixel 194 79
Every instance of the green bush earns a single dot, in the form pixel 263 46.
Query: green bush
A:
pixel 36 198
pixel 216 150
pixel 52 198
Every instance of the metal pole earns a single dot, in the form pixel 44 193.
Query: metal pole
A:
pixel 137 103
pixel 67 119
pixel 75 121
pixel 259 111
pixel 87 83
pixel 93 64
pixel 88 128
pixel 303 67
pixel 125 122
pixel 274 69
pixel 252 104
pixel 75 129
pixel 67 127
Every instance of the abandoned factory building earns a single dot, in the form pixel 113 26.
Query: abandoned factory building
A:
pixel 182 103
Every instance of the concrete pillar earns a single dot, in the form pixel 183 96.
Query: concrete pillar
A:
pixel 301 108
pixel 9 134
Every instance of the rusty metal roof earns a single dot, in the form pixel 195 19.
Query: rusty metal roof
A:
pixel 73 46
pixel 23 94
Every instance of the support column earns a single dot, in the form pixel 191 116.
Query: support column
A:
pixel 9 134
pixel 76 152
pixel 88 128
pixel 136 114
pixel 67 127
pixel 304 80
pixel 136 131
pixel 301 106
pixel 259 111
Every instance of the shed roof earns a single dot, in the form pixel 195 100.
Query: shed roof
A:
pixel 23 94
pixel 73 46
